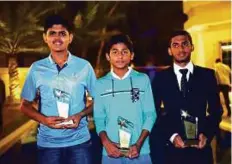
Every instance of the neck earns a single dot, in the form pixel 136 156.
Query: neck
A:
pixel 120 72
pixel 60 58
pixel 181 64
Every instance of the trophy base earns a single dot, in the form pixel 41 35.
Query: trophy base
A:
pixel 191 142
pixel 124 151
pixel 70 122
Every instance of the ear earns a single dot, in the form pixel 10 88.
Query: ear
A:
pixel 169 51
pixel 107 57
pixel 44 38
pixel 132 56
pixel 192 48
pixel 70 38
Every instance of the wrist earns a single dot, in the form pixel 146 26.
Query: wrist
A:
pixel 138 145
pixel 81 114
pixel 43 120
pixel 105 140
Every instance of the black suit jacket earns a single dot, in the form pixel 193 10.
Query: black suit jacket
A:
pixel 202 101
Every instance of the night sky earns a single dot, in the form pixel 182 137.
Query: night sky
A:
pixel 147 23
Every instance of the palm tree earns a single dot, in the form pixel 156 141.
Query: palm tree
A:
pixel 20 32
pixel 91 26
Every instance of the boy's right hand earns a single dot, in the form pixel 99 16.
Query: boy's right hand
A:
pixel 53 121
pixel 112 149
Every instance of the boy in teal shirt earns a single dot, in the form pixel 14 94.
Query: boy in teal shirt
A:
pixel 124 106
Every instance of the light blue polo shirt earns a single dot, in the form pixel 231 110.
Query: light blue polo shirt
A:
pixel 74 79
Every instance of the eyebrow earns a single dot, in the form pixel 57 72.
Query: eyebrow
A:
pixel 118 49
pixel 53 31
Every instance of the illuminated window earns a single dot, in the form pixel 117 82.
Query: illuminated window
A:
pixel 226 49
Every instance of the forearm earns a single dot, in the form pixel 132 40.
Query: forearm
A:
pixel 104 138
pixel 142 137
pixel 88 110
pixel 29 110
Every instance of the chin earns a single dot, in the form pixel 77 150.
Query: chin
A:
pixel 121 67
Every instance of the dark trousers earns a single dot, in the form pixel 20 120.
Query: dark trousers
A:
pixel 188 155
pixel 78 154
pixel 225 91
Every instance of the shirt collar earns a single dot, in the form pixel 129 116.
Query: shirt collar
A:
pixel 53 62
pixel 125 76
pixel 189 66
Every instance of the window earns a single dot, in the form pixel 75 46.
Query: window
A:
pixel 226 48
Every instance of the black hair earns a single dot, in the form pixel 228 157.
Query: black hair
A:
pixel 56 20
pixel 120 38
pixel 180 32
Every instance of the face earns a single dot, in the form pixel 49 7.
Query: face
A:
pixel 58 38
pixel 119 56
pixel 180 49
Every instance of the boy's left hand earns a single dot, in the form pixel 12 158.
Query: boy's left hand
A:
pixel 76 120
pixel 134 151
pixel 202 141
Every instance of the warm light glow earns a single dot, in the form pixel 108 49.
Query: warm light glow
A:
pixel 226 47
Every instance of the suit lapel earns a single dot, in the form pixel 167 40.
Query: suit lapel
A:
pixel 173 81
pixel 192 83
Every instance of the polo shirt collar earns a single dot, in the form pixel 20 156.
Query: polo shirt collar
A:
pixel 53 62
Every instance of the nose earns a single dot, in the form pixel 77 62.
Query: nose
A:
pixel 181 48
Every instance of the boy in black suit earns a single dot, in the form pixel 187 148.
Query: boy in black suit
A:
pixel 185 87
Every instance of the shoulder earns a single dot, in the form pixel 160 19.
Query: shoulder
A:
pixel 204 70
pixel 104 79
pixel 37 64
pixel 164 72
pixel 80 61
pixel 140 77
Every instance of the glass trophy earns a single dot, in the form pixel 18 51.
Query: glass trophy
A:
pixel 125 134
pixel 190 129
pixel 62 101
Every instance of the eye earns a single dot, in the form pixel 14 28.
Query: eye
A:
pixel 62 33
pixel 126 52
pixel 114 52
pixel 186 44
pixel 175 45
pixel 51 33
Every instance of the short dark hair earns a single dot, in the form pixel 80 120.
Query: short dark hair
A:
pixel 180 32
pixel 119 38
pixel 56 20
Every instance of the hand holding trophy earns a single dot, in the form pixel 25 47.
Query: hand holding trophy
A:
pixel 190 128
pixel 125 134
pixel 62 101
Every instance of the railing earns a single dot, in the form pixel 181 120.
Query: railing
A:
pixel 8 141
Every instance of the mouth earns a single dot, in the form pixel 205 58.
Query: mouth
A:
pixel 182 55
pixel 120 62
pixel 57 42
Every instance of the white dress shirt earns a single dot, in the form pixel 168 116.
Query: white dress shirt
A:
pixel 125 76
pixel 177 68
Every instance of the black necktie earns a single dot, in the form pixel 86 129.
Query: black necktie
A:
pixel 183 82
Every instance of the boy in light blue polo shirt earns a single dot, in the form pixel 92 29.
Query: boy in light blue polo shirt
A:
pixel 61 80
pixel 124 111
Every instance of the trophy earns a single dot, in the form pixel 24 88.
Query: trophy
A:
pixel 190 129
pixel 62 101
pixel 125 133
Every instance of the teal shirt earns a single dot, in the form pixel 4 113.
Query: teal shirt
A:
pixel 113 99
